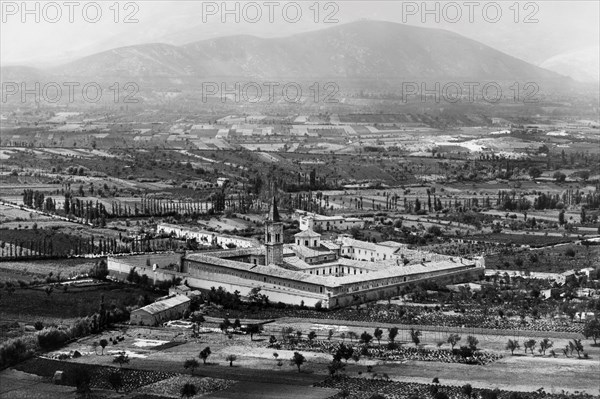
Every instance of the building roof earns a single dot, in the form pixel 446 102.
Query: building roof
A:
pixel 329 281
pixel 273 215
pixel 308 233
pixel 306 252
pixel 166 304
pixel 392 244
pixel 330 245
pixel 351 242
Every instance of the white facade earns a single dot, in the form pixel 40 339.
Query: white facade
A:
pixel 206 238
pixel 313 221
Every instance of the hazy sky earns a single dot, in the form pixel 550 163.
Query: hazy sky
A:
pixel 536 32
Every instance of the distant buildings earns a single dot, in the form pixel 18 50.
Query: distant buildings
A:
pixel 206 238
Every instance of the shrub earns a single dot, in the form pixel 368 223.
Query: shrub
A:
pixel 50 338
pixel 16 350
pixel 39 325
pixel 570 252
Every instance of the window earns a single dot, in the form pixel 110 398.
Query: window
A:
pixel 315 244
pixel 268 237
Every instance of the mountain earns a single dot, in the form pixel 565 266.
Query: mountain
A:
pixel 582 65
pixel 358 51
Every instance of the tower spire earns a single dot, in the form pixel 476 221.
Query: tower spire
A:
pixel 273 215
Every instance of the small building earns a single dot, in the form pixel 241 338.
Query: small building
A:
pixel 158 312
pixel 184 290
pixel 222 181
pixel 590 272
pixel 314 221
pixel 308 238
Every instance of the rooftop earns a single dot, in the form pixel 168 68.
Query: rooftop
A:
pixel 165 304
pixel 309 233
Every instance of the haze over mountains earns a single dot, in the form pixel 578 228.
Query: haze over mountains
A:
pixel 358 51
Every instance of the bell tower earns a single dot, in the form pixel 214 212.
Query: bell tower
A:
pixel 273 236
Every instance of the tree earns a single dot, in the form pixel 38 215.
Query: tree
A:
pixel 561 217
pixel 330 334
pixel 592 330
pixel 467 390
pixel 115 380
pixel 392 334
pixel 343 352
pixel 472 342
pixel 103 343
pixel 254 329
pixel 188 390
pixel 224 325
pixel 378 333
pixel 529 344
pixel 453 339
pixel 335 366
pixel 365 338
pixel 415 335
pixel 191 364
pixel 258 299
pixel 121 359
pixel 577 346
pixel 82 379
pixel 312 335
pixel 489 394
pixel 204 354
pixel 545 344
pixel 231 359
pixel 512 346
pixel 298 360
pixel 534 172
pixel 559 176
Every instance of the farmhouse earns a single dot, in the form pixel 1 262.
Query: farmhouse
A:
pixel 311 270
pixel 158 312
pixel 313 221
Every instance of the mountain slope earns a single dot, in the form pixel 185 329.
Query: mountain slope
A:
pixel 582 65
pixel 362 50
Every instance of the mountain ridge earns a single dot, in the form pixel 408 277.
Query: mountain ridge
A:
pixel 357 51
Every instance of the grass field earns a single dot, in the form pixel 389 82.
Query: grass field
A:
pixel 28 270
pixel 25 306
